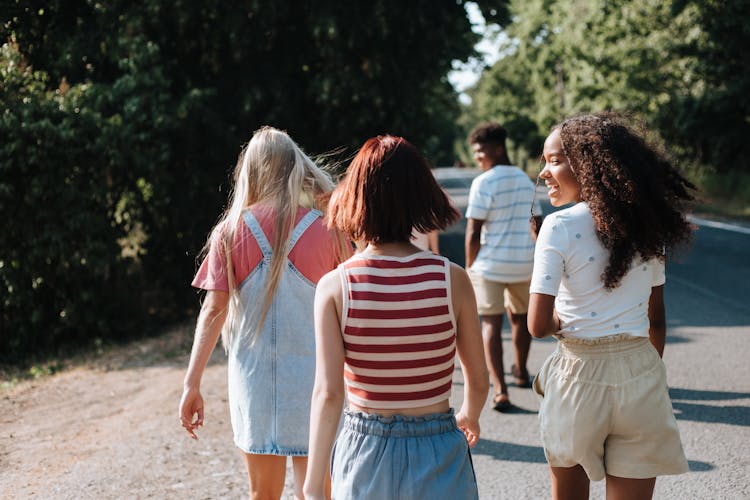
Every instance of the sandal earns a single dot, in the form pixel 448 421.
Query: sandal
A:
pixel 521 380
pixel 501 402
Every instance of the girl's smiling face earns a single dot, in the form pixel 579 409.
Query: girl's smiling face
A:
pixel 563 188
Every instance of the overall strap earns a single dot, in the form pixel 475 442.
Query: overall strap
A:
pixel 303 224
pixel 260 237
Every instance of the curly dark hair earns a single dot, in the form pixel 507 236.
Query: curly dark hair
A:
pixel 636 195
pixel 488 133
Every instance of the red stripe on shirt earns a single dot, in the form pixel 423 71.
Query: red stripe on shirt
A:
pixel 399 331
pixel 396 280
pixel 400 364
pixel 392 264
pixel 391 348
pixel 431 293
pixel 398 313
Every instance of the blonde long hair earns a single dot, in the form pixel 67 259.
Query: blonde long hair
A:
pixel 272 169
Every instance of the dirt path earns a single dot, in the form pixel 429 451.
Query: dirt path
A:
pixel 109 429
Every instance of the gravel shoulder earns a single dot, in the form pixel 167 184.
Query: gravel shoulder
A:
pixel 109 429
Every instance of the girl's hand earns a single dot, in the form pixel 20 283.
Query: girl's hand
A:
pixel 191 404
pixel 470 428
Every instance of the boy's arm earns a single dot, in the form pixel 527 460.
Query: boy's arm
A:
pixel 472 244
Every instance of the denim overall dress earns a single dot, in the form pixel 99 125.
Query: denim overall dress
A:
pixel 271 377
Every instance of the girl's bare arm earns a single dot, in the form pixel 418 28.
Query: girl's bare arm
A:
pixel 470 353
pixel 210 322
pixel 328 391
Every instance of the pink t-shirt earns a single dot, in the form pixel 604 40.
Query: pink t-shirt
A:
pixel 316 252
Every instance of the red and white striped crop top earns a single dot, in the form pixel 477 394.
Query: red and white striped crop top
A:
pixel 399 330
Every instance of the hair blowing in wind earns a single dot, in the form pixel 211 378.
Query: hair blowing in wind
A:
pixel 636 195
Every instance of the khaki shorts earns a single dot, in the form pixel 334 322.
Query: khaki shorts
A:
pixel 605 406
pixel 493 297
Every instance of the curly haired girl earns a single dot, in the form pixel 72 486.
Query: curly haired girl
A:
pixel 598 286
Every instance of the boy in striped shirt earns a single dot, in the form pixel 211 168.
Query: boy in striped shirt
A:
pixel 500 253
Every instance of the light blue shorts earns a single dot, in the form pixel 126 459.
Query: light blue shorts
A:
pixel 402 457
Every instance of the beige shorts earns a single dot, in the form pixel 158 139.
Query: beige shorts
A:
pixel 493 297
pixel 605 406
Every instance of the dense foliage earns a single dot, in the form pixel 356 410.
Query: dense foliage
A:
pixel 122 120
pixel 679 65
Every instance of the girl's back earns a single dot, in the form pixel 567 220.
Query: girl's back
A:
pixel 315 254
pixel 399 330
pixel 271 367
pixel 571 260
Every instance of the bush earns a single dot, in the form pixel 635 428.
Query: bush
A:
pixel 72 195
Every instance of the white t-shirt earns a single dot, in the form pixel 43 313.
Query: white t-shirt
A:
pixel 568 263
pixel 502 197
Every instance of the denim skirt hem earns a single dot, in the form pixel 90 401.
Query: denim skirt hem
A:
pixel 273 450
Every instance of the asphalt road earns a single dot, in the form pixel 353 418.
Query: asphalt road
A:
pixel 707 353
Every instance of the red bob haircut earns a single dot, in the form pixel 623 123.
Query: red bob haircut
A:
pixel 389 191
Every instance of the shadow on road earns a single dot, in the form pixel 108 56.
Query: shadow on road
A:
pixel 676 339
pixel 517 410
pixel 698 395
pixel 700 412
pixel 510 451
pixel 535 454
pixel 734 415
pixel 697 466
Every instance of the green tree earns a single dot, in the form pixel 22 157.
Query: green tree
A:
pixel 680 66
pixel 70 193
pixel 149 103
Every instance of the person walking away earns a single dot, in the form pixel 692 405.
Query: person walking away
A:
pixel 499 254
pixel 263 261
pixel 388 324
pixel 598 286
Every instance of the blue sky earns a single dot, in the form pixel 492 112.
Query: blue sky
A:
pixel 465 74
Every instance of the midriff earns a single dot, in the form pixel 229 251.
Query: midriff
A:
pixel 441 407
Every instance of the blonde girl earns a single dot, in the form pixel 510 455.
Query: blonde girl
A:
pixel 264 259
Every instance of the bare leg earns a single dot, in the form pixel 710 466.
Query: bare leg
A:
pixel 521 342
pixel 492 326
pixel 569 483
pixel 620 488
pixel 266 474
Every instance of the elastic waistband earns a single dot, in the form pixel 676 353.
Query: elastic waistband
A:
pixel 400 425
pixel 610 344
